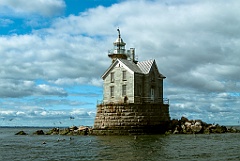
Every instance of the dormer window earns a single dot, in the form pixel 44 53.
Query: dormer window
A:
pixel 124 75
pixel 112 77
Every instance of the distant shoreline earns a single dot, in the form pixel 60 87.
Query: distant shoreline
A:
pixel 37 126
pixel 32 126
pixel 228 126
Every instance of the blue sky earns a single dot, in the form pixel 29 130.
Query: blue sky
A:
pixel 53 53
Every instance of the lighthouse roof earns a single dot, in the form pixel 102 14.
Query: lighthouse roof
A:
pixel 143 67
pixel 119 42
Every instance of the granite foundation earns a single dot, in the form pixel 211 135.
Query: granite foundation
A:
pixel 131 118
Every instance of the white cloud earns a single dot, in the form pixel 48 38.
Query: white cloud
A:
pixel 78 81
pixel 69 81
pixel 26 7
pixel 195 44
pixel 7 112
pixel 18 113
pixel 96 82
pixel 42 117
pixel 44 89
pixel 11 88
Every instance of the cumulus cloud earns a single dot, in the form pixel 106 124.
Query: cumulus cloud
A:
pixel 15 88
pixel 25 7
pixel 195 44
pixel 50 56
pixel 49 90
pixel 69 81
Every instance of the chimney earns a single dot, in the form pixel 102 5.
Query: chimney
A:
pixel 132 51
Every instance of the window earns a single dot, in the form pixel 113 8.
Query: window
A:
pixel 124 90
pixel 112 91
pixel 124 75
pixel 152 93
pixel 112 77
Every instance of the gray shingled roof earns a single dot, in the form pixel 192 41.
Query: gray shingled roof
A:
pixel 145 66
pixel 131 65
pixel 141 67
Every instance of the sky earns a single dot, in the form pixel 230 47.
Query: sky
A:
pixel 54 52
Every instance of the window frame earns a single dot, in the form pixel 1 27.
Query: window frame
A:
pixel 124 75
pixel 152 93
pixel 112 77
pixel 111 91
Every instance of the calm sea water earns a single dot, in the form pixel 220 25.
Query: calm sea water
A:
pixel 120 148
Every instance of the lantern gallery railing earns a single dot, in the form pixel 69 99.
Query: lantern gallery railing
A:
pixel 136 100
pixel 151 100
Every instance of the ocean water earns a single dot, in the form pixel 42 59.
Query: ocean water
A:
pixel 216 147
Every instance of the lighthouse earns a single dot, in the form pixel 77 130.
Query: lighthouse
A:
pixel 133 101
pixel 119 51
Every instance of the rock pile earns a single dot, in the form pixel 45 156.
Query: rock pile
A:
pixel 182 126
pixel 185 126
pixel 74 130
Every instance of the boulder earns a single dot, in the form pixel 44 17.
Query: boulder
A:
pixel 196 129
pixel 184 119
pixel 187 124
pixel 233 130
pixel 83 130
pixel 73 128
pixel 21 133
pixel 219 129
pixel 39 132
pixel 53 131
